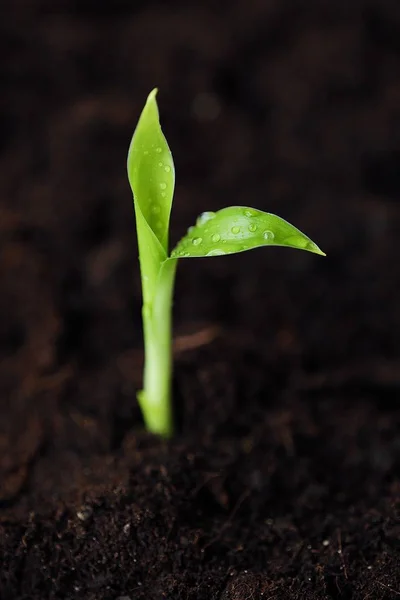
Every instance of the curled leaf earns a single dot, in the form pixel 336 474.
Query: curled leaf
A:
pixel 151 176
pixel 151 171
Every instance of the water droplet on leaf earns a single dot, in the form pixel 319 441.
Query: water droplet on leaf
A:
pixel 159 150
pixel 155 209
pixel 235 229
pixel 204 217
pixel 215 252
pixel 167 169
pixel 163 185
pixel 268 235
pixel 252 227
pixel 197 241
pixel 216 237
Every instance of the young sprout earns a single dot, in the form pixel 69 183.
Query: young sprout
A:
pixel 235 229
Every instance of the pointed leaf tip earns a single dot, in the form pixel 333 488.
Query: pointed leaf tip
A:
pixel 152 95
pixel 318 250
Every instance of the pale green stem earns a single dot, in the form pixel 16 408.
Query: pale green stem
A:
pixel 156 399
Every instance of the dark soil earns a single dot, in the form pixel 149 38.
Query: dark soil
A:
pixel 283 479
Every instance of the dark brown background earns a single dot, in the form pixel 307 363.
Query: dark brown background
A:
pixel 283 479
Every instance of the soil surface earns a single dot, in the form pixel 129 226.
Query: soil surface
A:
pixel 283 479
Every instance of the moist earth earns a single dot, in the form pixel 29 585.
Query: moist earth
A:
pixel 282 481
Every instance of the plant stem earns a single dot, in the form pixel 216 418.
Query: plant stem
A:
pixel 155 399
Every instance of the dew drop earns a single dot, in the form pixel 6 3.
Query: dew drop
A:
pixel 159 150
pixel 167 169
pixel 252 227
pixel 155 209
pixel 162 194
pixel 163 185
pixel 268 235
pixel 204 217
pixel 197 241
pixel 216 237
pixel 160 164
pixel 235 229
pixel 249 213
pixel 145 152
pixel 215 252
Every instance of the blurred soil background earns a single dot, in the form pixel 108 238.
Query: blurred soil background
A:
pixel 283 479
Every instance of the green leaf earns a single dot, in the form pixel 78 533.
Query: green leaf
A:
pixel 151 176
pixel 151 171
pixel 239 228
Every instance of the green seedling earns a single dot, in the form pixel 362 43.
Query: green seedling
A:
pixel 235 229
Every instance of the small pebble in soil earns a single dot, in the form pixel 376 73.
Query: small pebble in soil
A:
pixel 127 528
pixel 325 543
pixel 84 513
